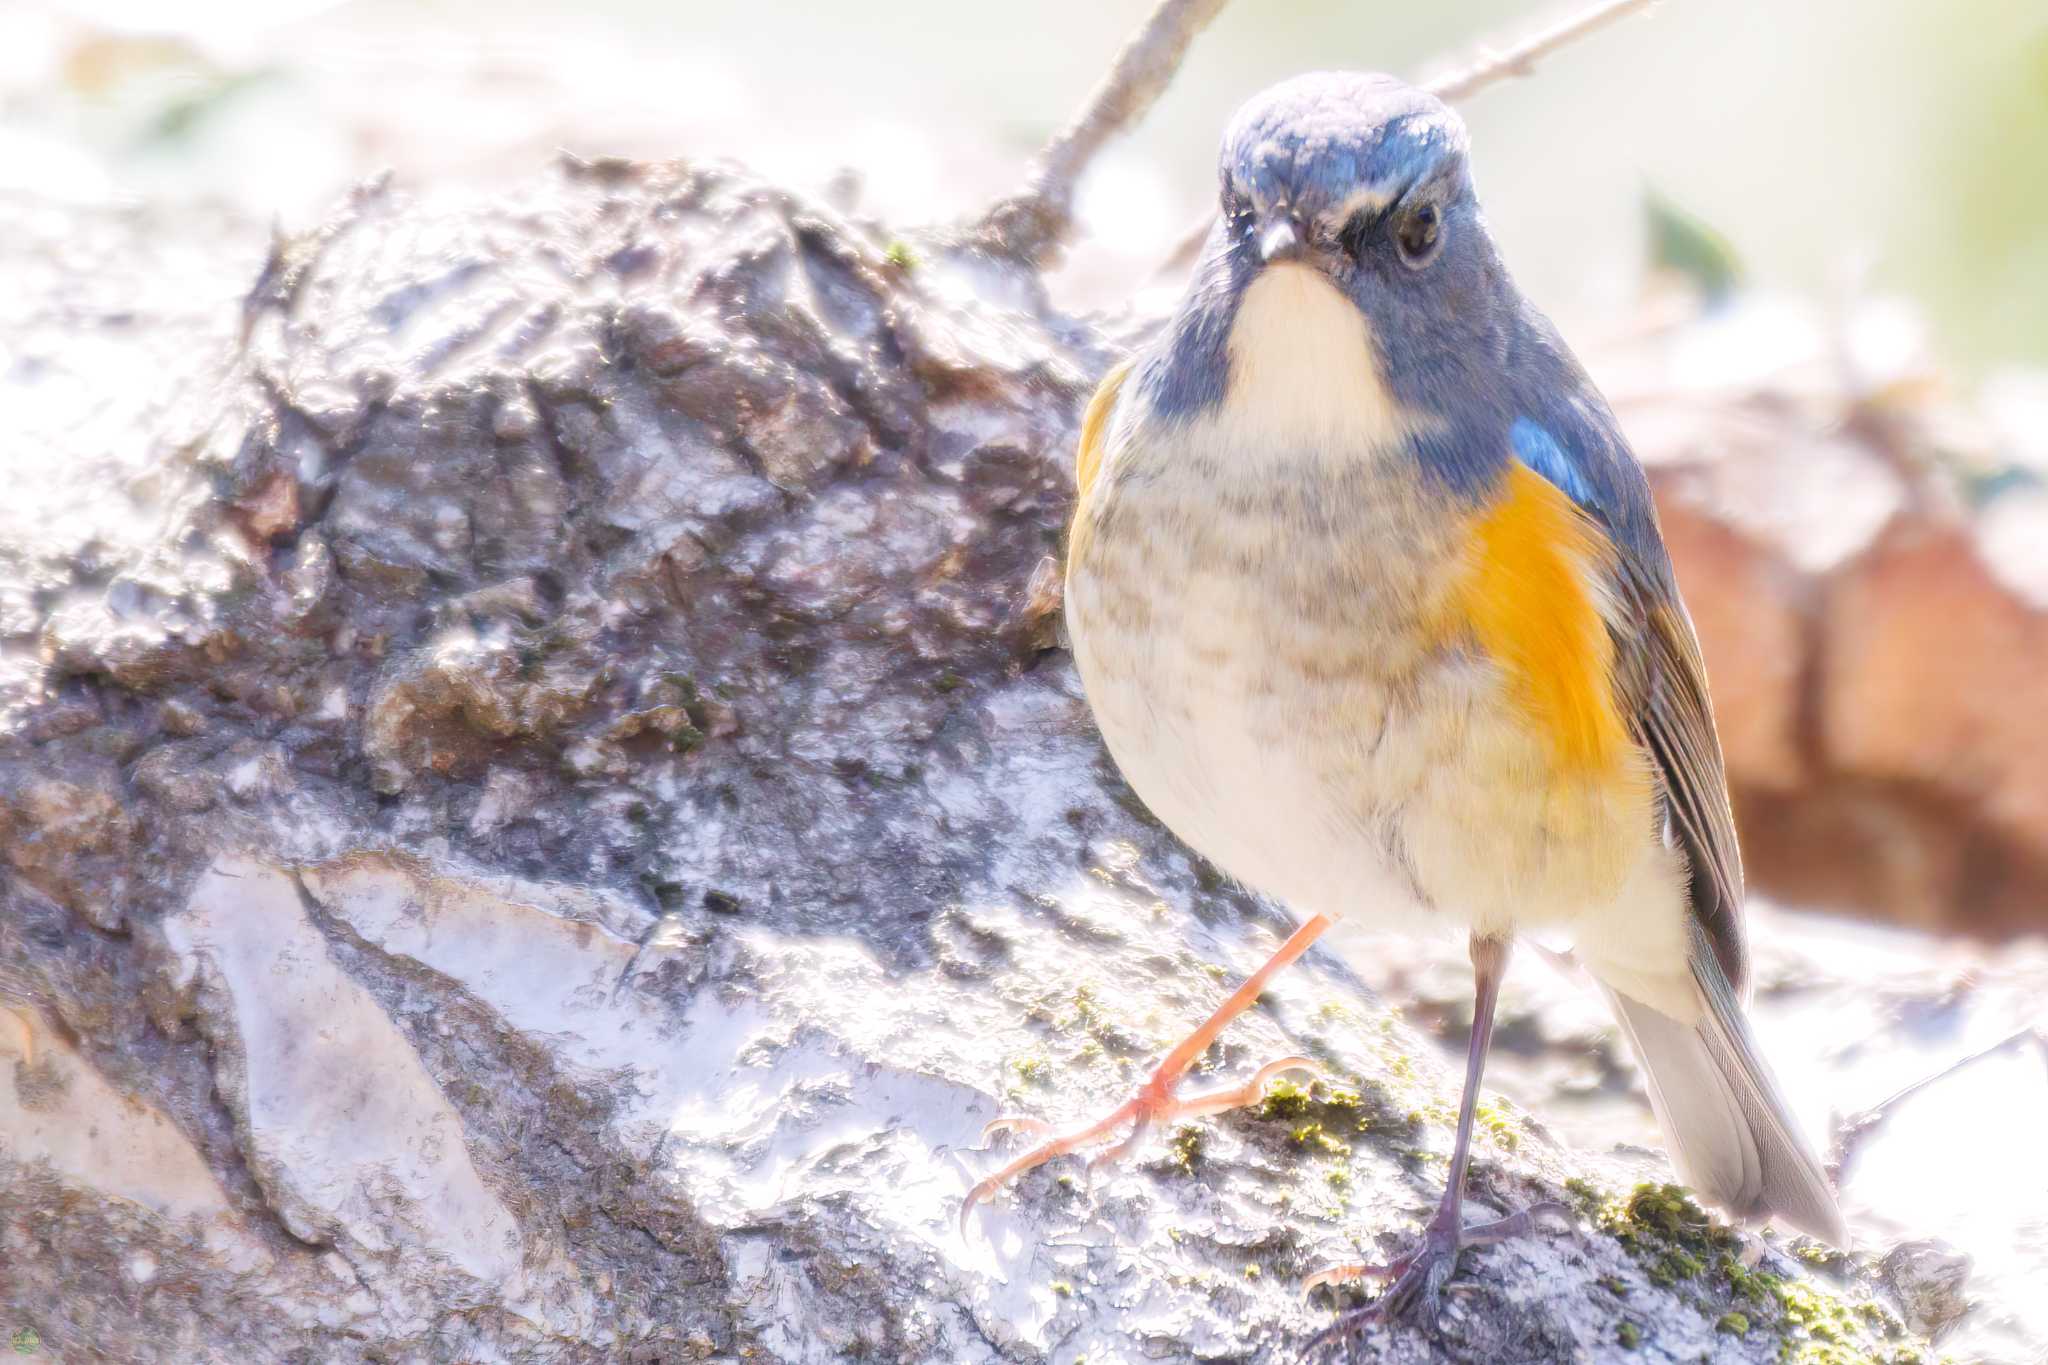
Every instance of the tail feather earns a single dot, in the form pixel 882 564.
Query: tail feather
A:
pixel 1732 1136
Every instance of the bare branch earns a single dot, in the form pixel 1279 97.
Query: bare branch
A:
pixel 1187 248
pixel 1031 225
pixel 1852 1129
pixel 1521 59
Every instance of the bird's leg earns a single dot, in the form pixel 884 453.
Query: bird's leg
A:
pixel 1418 1276
pixel 1155 1101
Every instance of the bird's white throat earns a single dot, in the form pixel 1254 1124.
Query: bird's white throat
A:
pixel 1304 375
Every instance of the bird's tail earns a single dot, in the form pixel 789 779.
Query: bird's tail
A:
pixel 1732 1137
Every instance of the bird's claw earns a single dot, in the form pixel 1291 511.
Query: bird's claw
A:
pixel 1418 1276
pixel 1154 1103
pixel 1014 1123
pixel 1417 1281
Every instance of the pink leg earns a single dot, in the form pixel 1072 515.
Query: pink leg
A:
pixel 1155 1100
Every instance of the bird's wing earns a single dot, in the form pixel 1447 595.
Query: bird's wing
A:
pixel 1662 685
pixel 1660 680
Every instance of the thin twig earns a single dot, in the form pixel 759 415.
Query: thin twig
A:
pixel 1031 225
pixel 1521 58
pixel 1852 1129
pixel 1518 59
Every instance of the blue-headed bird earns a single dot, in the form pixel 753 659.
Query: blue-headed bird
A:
pixel 1369 599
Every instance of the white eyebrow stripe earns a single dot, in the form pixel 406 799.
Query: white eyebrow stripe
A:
pixel 1374 197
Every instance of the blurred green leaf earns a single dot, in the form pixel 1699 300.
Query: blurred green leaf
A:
pixel 1684 242
pixel 1981 487
pixel 180 118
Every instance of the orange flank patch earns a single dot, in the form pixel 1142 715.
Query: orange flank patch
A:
pixel 1527 598
pixel 1088 460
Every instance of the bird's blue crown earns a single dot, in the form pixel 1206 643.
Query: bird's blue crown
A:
pixel 1314 142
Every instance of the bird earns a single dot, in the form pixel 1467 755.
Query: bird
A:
pixel 1370 604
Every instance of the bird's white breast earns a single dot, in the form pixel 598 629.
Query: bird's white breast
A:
pixel 1246 672
pixel 1304 375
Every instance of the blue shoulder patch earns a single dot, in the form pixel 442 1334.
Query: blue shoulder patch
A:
pixel 1538 449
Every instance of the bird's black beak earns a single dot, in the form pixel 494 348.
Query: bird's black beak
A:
pixel 1281 239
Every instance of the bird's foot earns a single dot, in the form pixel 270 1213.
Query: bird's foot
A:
pixel 1155 1102
pixel 1417 1277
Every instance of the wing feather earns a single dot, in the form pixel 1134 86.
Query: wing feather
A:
pixel 1662 683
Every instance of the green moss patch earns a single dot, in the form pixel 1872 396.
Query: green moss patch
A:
pixel 1683 1249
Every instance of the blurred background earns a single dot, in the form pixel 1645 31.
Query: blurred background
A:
pixel 1889 144
pixel 1804 247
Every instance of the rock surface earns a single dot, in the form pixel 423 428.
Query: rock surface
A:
pixel 555 838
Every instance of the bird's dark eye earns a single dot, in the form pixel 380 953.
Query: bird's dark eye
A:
pixel 1418 232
